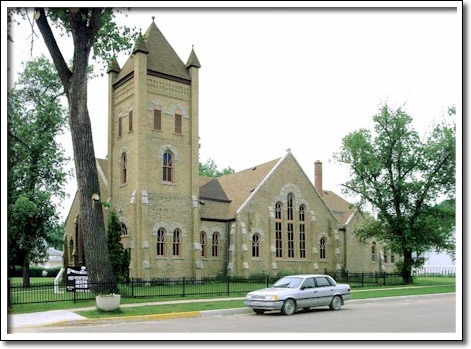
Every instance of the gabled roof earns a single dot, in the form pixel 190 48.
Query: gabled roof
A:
pixel 213 191
pixel 237 187
pixel 161 57
pixel 340 207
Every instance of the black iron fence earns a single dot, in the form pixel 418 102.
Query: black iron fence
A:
pixel 40 292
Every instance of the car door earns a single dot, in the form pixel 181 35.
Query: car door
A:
pixel 307 294
pixel 325 291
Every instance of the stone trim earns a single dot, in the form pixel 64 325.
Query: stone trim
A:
pixel 166 147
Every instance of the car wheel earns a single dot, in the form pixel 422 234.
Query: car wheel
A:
pixel 289 307
pixel 336 303
pixel 259 311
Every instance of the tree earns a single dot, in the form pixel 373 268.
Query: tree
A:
pixel 119 257
pixel 36 163
pixel 402 177
pixel 91 29
pixel 209 169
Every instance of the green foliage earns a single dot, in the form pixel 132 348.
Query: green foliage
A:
pixel 401 177
pixel 36 175
pixel 119 257
pixel 209 169
pixel 110 40
pixel 36 272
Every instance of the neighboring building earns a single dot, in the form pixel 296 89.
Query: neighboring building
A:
pixel 54 259
pixel 267 219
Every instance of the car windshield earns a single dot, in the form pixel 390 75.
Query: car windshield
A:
pixel 288 282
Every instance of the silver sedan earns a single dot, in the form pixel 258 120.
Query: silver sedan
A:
pixel 295 292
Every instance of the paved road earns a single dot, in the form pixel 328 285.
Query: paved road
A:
pixel 435 314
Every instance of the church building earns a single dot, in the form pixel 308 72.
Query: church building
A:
pixel 268 219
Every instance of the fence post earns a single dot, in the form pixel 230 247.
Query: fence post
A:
pixel 266 278
pixel 346 275
pixel 183 286
pixel 362 277
pixel 132 287
pixel 75 286
pixel 384 274
pixel 376 278
pixel 227 285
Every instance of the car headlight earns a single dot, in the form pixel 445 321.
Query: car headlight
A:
pixel 248 296
pixel 271 298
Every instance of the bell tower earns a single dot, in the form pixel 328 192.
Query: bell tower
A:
pixel 153 152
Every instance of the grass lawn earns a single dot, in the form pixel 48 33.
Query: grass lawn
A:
pixel 33 280
pixel 433 285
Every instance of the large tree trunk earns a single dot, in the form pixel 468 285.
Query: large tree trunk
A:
pixel 26 282
pixel 83 27
pixel 91 213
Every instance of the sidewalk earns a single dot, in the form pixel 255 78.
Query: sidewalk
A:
pixel 69 316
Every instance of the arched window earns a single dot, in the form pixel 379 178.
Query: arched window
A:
pixel 203 244
pixel 71 251
pixel 322 251
pixel 124 168
pixel 290 226
pixel 168 167
pixel 157 119
pixel 215 246
pixel 124 229
pixel 176 242
pixel 302 232
pixel 178 124
pixel 373 252
pixel 161 242
pixel 278 230
pixel 256 245
pixel 290 207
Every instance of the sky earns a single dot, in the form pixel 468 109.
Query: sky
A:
pixel 273 79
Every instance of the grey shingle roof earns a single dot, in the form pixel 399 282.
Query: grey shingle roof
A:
pixel 161 57
pixel 193 60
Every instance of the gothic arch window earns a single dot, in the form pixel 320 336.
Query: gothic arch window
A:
pixel 373 252
pixel 256 245
pixel 203 244
pixel 124 229
pixel 215 247
pixel 168 170
pixel 322 249
pixel 290 226
pixel 278 230
pixel 157 118
pixel 302 232
pixel 176 242
pixel 178 123
pixel 161 242
pixel 124 168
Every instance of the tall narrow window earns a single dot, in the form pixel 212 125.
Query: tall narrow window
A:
pixel 385 256
pixel 392 257
pixel 71 251
pixel 178 124
pixel 373 252
pixel 168 167
pixel 130 121
pixel 157 119
pixel 290 227
pixel 124 168
pixel 256 245
pixel 302 232
pixel 278 231
pixel 161 242
pixel 322 249
pixel 120 126
pixel 215 245
pixel 176 242
pixel 203 243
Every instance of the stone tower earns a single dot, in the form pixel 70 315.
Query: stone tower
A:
pixel 153 146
